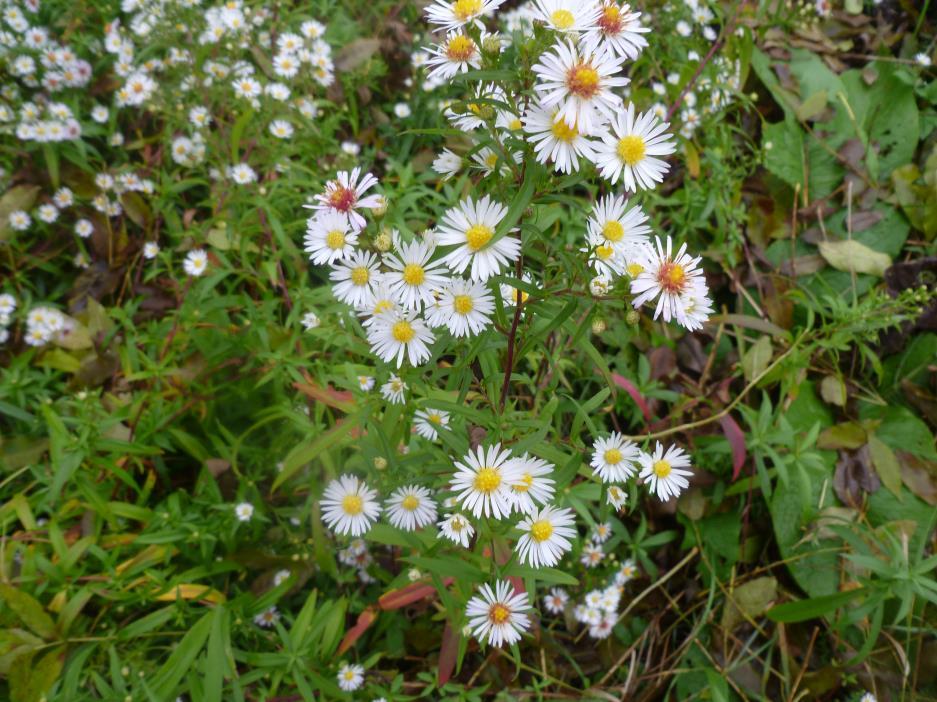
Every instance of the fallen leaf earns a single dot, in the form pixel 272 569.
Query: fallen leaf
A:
pixel 854 476
pixel 365 620
pixel 886 465
pixel 833 390
pixel 748 601
pixel 854 257
pixel 848 435
pixel 919 475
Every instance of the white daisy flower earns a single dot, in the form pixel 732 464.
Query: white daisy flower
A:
pixel 344 196
pixel 532 485
pixel 567 15
pixel 483 482
pixel 410 508
pixel 487 159
pixel 603 628
pixel 457 529
pixel 355 278
pixel 616 497
pixel 511 295
pixel 195 263
pixel 615 459
pixel 412 277
pixel 267 618
pixel 922 59
pixel 545 536
pixel 281 129
pixel 7 304
pixel 868 697
pixel 350 677
pixel 554 140
pixel 579 84
pixel 280 577
pixel 310 320
pixel 625 230
pixel 242 174
pixel 555 601
pixel 627 572
pixel 663 471
pixel 428 422
pixel 329 238
pixel 696 309
pixel 244 511
pixel 150 250
pixel 671 279
pixel 394 390
pixel 498 615
pixel 464 307
pixel 601 532
pixel 618 30
pixel 84 228
pixel 382 299
pixel 471 226
pixel 591 555
pixel 455 55
pixel 629 150
pixel 349 506
pixel 447 164
pixel 452 15
pixel 19 220
pixel 365 383
pixel 396 334
pixel 606 260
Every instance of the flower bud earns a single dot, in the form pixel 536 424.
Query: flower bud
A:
pixel 598 326
pixel 380 462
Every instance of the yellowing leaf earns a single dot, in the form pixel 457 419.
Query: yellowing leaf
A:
pixel 192 591
pixel 886 465
pixel 812 106
pixel 692 159
pixel 757 358
pixel 854 257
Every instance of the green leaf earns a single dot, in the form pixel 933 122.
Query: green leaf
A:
pixel 854 257
pixel 306 451
pixel 757 358
pixel 167 678
pixel 812 607
pixel 886 465
pixel 749 600
pixel 29 611
pixel 30 683
pixel 215 661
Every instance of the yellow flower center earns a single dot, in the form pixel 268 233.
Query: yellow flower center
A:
pixel 671 277
pixel 613 231
pixel 631 149
pixel 477 236
pixel 466 9
pixel 410 503
pixel 635 269
pixel 462 304
pixel 498 613
pixel 563 131
pixel 456 524
pixel 541 531
pixel 335 239
pixel 661 469
pixel 403 332
pixel 613 456
pixel 435 418
pixel 383 306
pixel 515 124
pixel 413 274
pixel 604 252
pixel 487 480
pixel 582 81
pixel 610 20
pixel 352 505
pixel 481 111
pixel 562 19
pixel 360 275
pixel 527 480
pixel 349 675
pixel 491 160
pixel 460 48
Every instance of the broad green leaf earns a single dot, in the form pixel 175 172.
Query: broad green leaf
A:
pixel 28 610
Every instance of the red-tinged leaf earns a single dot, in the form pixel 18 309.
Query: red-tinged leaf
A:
pixel 365 620
pixel 447 655
pixel 518 583
pixel 401 597
pixel 736 438
pixel 341 400
pixel 630 388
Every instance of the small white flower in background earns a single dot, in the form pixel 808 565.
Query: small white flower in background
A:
pixel 428 423
pixel 19 220
pixel 281 577
pixel 242 174
pixel 350 677
pixel 447 164
pixel 532 485
pixel 591 556
pixel 545 536
pixel 601 532
pixel 484 482
pixel 457 529
pixel 351 148
pixel 394 390
pixel 63 198
pixel 414 574
pixel 615 459
pixel 498 615
pixel 80 260
pixel 267 618
pixel 684 29
pixel 7 304
pixel 150 249
pixel 244 511
pixel 627 572
pixel 47 213
pixel 600 285
pixel 663 471
pixel 99 114
pixel 4 335
pixel 410 508
pixel 349 506
pixel 365 382
pixel 555 600
pixel 84 228
pixel 616 497
pixel 196 262
pixel 603 628
pixel 868 697
pixel 310 320
pixel 402 110
pixel 923 59
pixel 456 54
pixel 281 129
pixel 357 277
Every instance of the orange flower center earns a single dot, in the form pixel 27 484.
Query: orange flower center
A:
pixel 582 81
pixel 671 277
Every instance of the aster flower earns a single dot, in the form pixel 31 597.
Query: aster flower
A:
pixel 533 485
pixel 617 29
pixel 498 615
pixel 630 148
pixel 664 471
pixel 555 140
pixel 349 506
pixel 567 15
pixel 555 600
pixel 464 307
pixel 410 508
pixel 413 278
pixel 545 536
pixel 615 459
pixel 591 556
pixel 429 422
pixel 471 227
pixel 244 511
pixel 673 280
pixel 394 390
pixel 451 15
pixel 350 677
pixel 355 278
pixel 396 334
pixel 195 263
pixel 455 55
pixel 457 529
pixel 623 229
pixel 345 196
pixel 267 618
pixel 616 497
pixel 329 238
pixel 483 482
